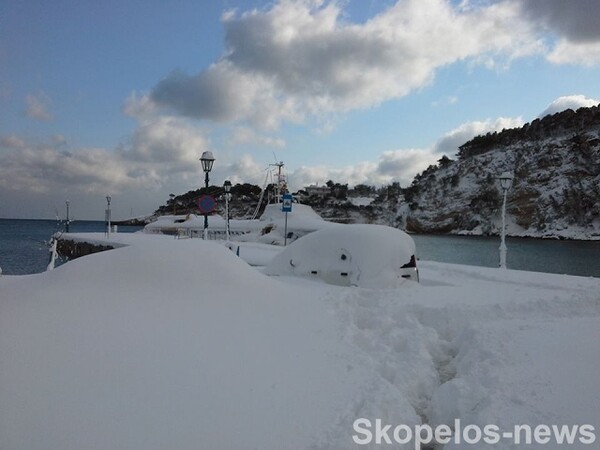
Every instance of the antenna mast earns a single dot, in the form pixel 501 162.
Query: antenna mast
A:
pixel 281 187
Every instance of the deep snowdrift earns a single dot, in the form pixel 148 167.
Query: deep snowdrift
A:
pixel 180 344
pixel 174 344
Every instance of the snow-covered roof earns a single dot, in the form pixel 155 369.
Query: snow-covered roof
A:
pixel 184 221
pixel 302 219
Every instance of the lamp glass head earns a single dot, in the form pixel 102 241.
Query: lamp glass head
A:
pixel 207 159
pixel 506 180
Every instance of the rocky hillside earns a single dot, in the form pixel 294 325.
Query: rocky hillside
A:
pixel 556 188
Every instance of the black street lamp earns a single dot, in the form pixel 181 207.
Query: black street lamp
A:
pixel 108 199
pixel 68 222
pixel 207 159
pixel 227 187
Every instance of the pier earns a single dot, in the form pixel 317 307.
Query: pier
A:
pixel 74 248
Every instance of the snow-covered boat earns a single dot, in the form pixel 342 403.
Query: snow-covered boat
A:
pixel 269 228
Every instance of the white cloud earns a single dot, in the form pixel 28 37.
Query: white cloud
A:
pixel 59 140
pixel 300 58
pixel 161 157
pixel 166 140
pixel 449 143
pixel 38 106
pixel 403 164
pixel 243 136
pixel 242 169
pixel 573 102
pixel 572 26
pixel 567 52
pixel 359 173
pixel 396 165
pixel 162 150
pixel 139 106
pixel 12 142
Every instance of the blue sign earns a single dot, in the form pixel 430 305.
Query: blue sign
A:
pixel 286 205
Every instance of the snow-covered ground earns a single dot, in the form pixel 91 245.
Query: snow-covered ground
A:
pixel 180 344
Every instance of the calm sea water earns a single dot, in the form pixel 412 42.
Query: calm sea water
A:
pixel 538 255
pixel 24 250
pixel 24 243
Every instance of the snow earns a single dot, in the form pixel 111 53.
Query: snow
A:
pixel 358 255
pixel 167 343
pixel 361 201
pixel 269 229
pixel 545 170
pixel 170 223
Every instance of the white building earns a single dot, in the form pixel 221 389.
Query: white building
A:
pixel 314 189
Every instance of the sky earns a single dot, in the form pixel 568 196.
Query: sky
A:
pixel 122 97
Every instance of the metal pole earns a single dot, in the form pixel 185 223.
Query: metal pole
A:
pixel 227 214
pixel 285 237
pixel 503 233
pixel 108 218
pixel 205 237
pixel 68 221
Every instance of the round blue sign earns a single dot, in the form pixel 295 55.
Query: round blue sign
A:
pixel 206 204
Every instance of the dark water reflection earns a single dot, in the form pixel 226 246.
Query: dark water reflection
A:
pixel 539 255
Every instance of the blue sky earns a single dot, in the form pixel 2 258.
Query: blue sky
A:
pixel 122 97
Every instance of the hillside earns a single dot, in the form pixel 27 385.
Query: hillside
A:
pixel 556 189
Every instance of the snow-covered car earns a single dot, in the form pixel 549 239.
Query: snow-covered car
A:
pixel 351 255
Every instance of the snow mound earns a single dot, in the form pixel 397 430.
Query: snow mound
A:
pixel 274 212
pixel 302 219
pixel 358 254
pixel 171 344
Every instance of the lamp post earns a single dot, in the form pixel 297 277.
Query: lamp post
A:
pixel 68 221
pixel 108 198
pixel 207 159
pixel 172 197
pixel 506 179
pixel 227 187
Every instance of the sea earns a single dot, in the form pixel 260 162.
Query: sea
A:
pixel 24 244
pixel 24 249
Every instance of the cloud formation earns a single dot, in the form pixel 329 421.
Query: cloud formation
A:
pixel 575 20
pixel 162 157
pixel 245 136
pixel 38 106
pixel 403 164
pixel 449 143
pixel 573 102
pixel 300 58
pixel 160 148
pixel 574 23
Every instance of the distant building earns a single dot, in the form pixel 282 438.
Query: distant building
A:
pixel 313 189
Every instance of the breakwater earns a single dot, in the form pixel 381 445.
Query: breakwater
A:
pixel 72 249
